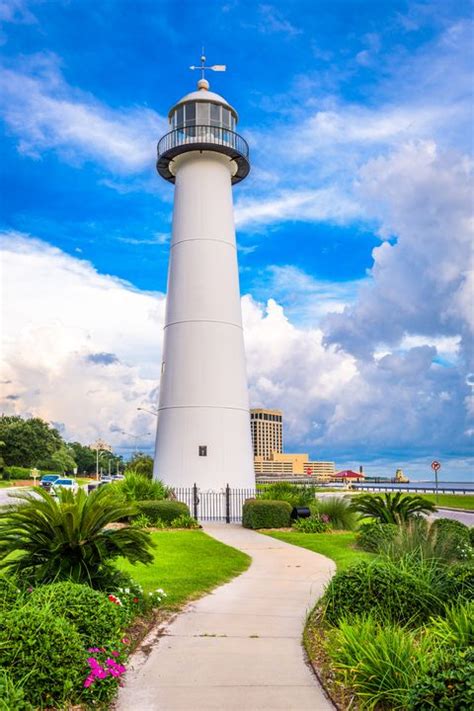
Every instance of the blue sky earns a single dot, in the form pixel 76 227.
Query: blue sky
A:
pixel 352 226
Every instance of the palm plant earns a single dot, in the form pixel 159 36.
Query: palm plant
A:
pixel 43 539
pixel 337 511
pixel 137 487
pixel 392 508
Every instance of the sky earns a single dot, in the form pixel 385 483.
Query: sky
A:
pixel 354 227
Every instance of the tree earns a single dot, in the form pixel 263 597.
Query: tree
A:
pixel 61 461
pixel 27 443
pixel 141 463
pixel 44 540
pixel 84 456
pixel 392 508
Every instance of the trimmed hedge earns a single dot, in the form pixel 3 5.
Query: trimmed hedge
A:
pixel 22 473
pixel 163 510
pixel 97 620
pixel 404 595
pixel 44 655
pixel 261 513
pixel 456 530
pixel 372 536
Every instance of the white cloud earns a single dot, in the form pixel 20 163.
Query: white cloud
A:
pixel 45 113
pixel 83 349
pixel 324 205
pixel 60 319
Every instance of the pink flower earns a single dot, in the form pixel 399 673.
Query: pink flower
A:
pixel 89 681
pixel 125 640
pixel 114 654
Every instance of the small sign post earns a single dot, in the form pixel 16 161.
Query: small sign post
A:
pixel 436 466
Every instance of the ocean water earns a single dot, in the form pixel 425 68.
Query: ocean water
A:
pixel 425 484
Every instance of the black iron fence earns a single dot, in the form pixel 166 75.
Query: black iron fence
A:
pixel 224 505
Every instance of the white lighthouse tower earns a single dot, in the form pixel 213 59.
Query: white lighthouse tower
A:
pixel 203 431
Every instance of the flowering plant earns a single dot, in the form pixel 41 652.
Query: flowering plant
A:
pixel 135 602
pixel 105 671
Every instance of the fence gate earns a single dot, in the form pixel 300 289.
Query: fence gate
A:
pixel 224 505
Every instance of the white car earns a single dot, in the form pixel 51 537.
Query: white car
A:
pixel 70 484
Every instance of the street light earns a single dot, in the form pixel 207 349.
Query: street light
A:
pixel 99 446
pixel 136 437
pixel 151 412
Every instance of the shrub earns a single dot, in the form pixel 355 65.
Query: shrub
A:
pixel 141 521
pixel 258 513
pixel 138 487
pixel 418 539
pixel 454 529
pixel 10 592
pixel 97 620
pixel 313 524
pixel 294 494
pixel 456 628
pixel 460 578
pixel 391 508
pixel 42 653
pixel 378 661
pixel 471 536
pixel 339 512
pixel 185 521
pixel 372 536
pixel 402 592
pixel 447 684
pixel 165 511
pixel 44 539
pixel 12 696
pixel 21 473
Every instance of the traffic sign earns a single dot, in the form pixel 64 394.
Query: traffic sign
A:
pixel 435 465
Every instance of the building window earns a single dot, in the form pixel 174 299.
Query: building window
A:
pixel 203 450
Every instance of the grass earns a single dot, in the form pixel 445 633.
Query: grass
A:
pixel 337 546
pixel 453 501
pixel 186 565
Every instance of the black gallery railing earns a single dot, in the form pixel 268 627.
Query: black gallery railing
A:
pixel 215 135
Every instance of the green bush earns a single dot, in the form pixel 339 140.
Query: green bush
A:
pixel 166 511
pixel 418 539
pixel 378 661
pixel 22 473
pixel 454 529
pixel 45 539
pixel 185 521
pixel 258 513
pixel 294 494
pixel 471 536
pixel 43 654
pixel 372 536
pixel 12 696
pixel 138 487
pixel 10 592
pixel 399 592
pixel 338 512
pixel 447 685
pixel 313 524
pixel 97 620
pixel 456 628
pixel 460 578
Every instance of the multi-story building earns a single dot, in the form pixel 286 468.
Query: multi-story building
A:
pixel 270 460
pixel 267 432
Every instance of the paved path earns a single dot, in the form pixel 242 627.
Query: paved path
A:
pixel 238 648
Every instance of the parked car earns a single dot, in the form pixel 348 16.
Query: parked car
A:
pixel 70 484
pixel 48 480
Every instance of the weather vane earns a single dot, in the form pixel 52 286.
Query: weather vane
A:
pixel 203 68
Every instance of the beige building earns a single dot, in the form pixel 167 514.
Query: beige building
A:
pixel 270 460
pixel 280 464
pixel 266 427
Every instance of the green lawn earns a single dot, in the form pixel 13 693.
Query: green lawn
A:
pixel 453 501
pixel 338 546
pixel 187 564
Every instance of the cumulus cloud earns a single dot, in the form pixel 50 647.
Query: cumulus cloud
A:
pixel 83 349
pixel 422 284
pixel 77 346
pixel 45 113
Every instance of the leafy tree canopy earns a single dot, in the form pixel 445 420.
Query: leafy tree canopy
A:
pixel 27 443
pixel 142 464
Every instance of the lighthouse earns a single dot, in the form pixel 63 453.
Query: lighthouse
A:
pixel 203 433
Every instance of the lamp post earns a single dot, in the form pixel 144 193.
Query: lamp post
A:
pixel 99 446
pixel 136 437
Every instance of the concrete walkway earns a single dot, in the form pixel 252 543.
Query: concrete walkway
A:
pixel 238 648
